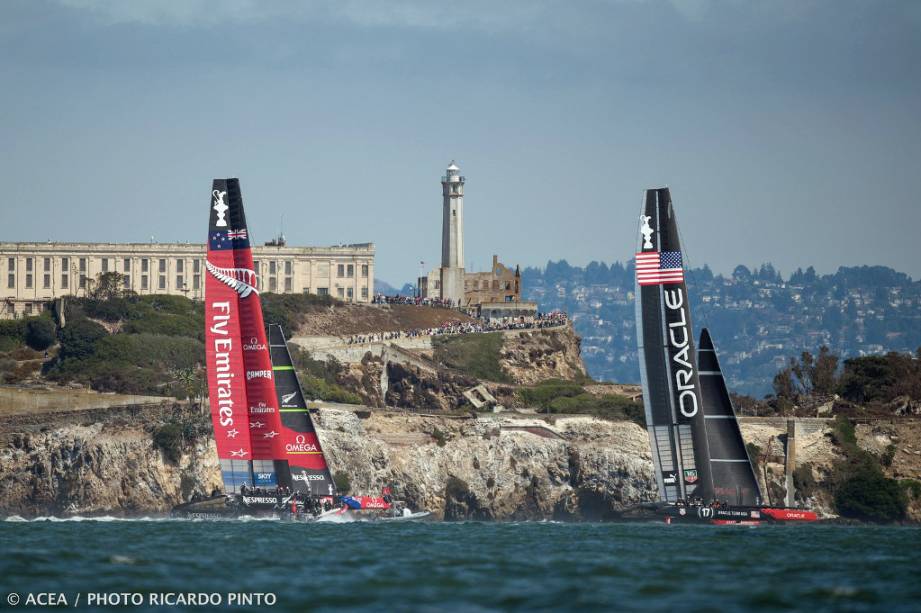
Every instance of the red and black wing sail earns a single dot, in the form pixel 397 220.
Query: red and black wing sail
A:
pixel 224 286
pixel 232 285
pixel 668 361
pixel 309 471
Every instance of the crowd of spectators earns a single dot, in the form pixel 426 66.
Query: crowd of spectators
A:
pixel 414 300
pixel 541 320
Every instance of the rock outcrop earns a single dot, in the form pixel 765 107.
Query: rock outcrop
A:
pixel 532 356
pixel 456 468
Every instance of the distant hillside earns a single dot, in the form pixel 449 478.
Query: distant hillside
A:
pixel 757 317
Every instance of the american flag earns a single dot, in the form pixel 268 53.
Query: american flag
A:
pixel 656 268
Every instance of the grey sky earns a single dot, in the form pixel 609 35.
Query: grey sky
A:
pixel 789 131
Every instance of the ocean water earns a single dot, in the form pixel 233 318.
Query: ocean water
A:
pixel 462 566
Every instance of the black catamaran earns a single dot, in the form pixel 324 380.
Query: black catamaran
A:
pixel 703 471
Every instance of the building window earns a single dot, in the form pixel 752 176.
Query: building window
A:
pixel 82 281
pixel 351 293
pixel 322 291
pixel 273 284
pixel 145 265
pixel 364 271
pixel 196 282
pixel 288 284
pixel 196 266
pixel 163 265
pixel 28 280
pixel 340 291
pixel 47 264
pixel 11 264
pixel 162 282
pixel 126 265
pixel 82 264
pixel 126 281
pixel 28 264
pixel 364 293
pixel 65 279
pixel 340 271
pixel 180 282
pixel 350 271
pixel 105 264
pixel 143 281
pixel 180 265
pixel 46 281
pixel 273 268
pixel 28 308
pixel 288 267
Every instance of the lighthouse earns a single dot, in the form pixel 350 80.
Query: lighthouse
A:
pixel 452 235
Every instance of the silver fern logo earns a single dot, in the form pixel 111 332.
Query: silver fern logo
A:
pixel 241 280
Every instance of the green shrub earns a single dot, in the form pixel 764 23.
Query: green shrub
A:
pixel 888 455
pixel 803 481
pixel 78 339
pixel 169 438
pixel 12 334
pixel 556 396
pixel 151 351
pixel 869 496
pixel 476 355
pixel 440 438
pixel 289 310
pixel 40 333
pixel 316 388
pixel 343 485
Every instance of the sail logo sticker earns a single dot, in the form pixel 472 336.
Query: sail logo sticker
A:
pixel 220 208
pixel 258 374
pixel 669 478
pixel 301 445
pixel 286 400
pixel 241 280
pixel 260 409
pixel 646 230
pixel 305 477
pixel 253 345
pixel 680 341
pixel 690 476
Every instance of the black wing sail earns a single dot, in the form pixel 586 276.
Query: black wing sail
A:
pixel 309 472
pixel 733 476
pixel 668 362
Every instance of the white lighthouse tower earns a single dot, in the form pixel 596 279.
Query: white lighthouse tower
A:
pixel 452 235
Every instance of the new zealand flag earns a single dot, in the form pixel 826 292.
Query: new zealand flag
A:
pixel 228 239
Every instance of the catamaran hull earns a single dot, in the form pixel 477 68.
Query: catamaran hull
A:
pixel 734 515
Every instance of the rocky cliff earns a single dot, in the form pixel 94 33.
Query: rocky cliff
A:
pixel 101 461
pixel 106 462
pixel 497 467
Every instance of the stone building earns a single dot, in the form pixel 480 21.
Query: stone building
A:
pixel 35 273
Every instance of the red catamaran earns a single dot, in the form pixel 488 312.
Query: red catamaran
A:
pixel 271 460
pixel 270 456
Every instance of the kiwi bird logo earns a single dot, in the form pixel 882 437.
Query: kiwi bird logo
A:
pixel 219 207
pixel 647 231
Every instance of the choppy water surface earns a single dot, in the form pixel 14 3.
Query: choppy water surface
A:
pixel 473 566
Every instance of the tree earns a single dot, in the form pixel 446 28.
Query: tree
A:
pixel 78 339
pixel 108 285
pixel 40 333
pixel 824 374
